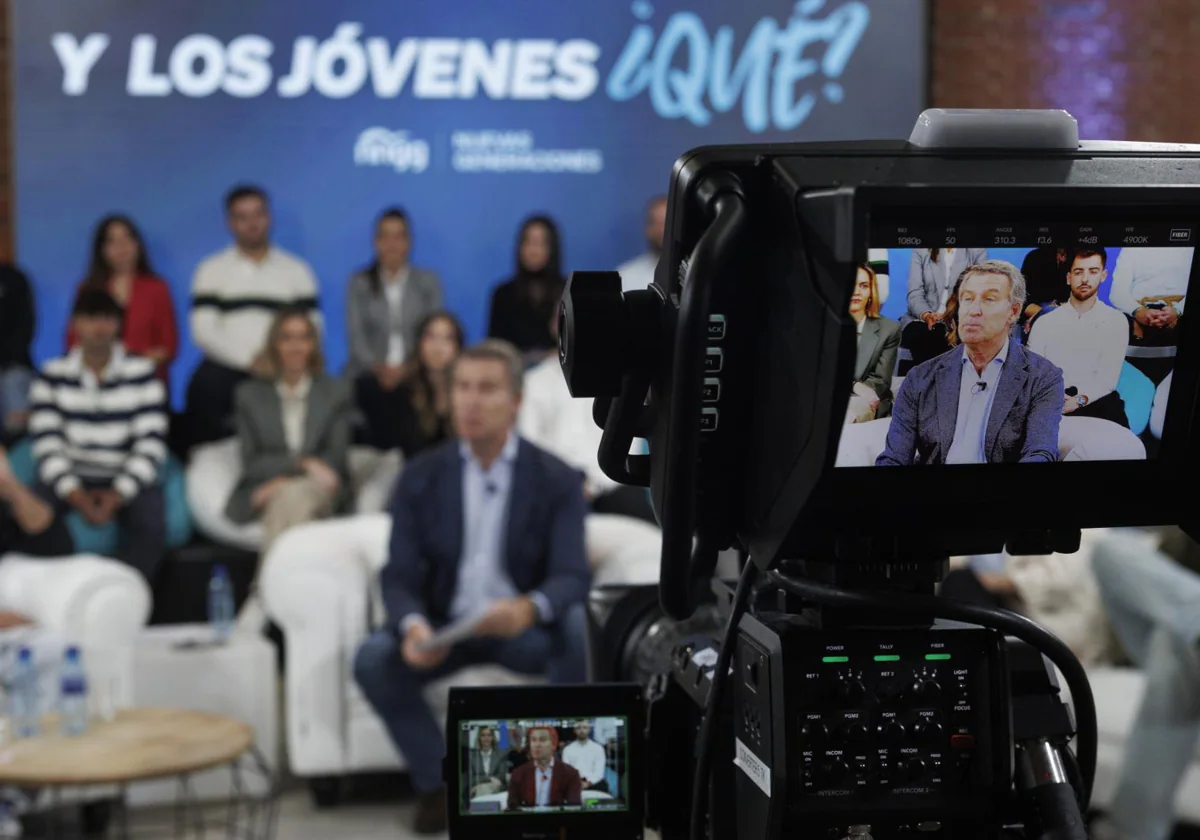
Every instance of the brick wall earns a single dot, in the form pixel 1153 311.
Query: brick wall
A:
pixel 1125 68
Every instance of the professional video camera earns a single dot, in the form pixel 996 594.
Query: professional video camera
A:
pixel 862 705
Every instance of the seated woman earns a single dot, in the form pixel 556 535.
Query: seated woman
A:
pixel 120 266
pixel 489 764
pixel 294 431
pixel 522 306
pixel 415 414
pixel 878 344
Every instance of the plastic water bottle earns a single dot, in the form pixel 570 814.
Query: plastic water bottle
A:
pixel 220 603
pixel 73 699
pixel 23 706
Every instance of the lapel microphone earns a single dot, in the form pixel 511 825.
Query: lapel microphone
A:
pixel 979 387
pixel 490 488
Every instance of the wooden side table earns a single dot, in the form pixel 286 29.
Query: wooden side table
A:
pixel 143 744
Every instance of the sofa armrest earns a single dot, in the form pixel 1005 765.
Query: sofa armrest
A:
pixel 316 583
pixel 83 599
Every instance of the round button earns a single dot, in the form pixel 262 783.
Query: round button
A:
pixel 889 692
pixel 930 691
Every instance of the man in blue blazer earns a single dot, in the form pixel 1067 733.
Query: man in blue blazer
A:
pixel 486 525
pixel 990 400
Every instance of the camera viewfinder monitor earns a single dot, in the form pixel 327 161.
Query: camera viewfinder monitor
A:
pixel 984 342
pixel 532 764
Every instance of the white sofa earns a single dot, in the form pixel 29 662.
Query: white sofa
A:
pixel 319 584
pixel 1079 439
pixel 214 469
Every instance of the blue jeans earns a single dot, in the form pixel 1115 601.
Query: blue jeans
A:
pixel 15 382
pixel 395 691
pixel 1153 604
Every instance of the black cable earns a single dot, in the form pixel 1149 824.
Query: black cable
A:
pixel 706 740
pixel 1007 622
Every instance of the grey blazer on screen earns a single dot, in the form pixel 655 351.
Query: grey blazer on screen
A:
pixel 259 417
pixel 369 319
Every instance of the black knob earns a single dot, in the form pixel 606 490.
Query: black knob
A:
pixel 851 692
pixel 928 731
pixel 892 732
pixel 910 769
pixel 591 313
pixel 813 732
pixel 889 692
pixel 931 692
pixel 856 733
pixel 835 771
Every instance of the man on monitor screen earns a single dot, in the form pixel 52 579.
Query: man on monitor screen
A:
pixel 988 401
pixel 1087 338
pixel 544 781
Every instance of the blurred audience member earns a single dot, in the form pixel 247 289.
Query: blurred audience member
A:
pixel 294 431
pixel 523 305
pixel 386 303
pixel 586 756
pixel 878 345
pixel 30 526
pixel 1151 590
pixel 1045 270
pixel 235 295
pixel 638 273
pixel 1087 338
pixel 488 772
pixel 487 529
pixel 932 275
pixel 120 266
pixel 562 425
pixel 414 414
pixel 99 426
pixel 1150 286
pixel 1058 591
pixel 16 334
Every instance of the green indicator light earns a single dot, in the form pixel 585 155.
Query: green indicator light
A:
pixel 887 658
pixel 937 657
pixel 835 658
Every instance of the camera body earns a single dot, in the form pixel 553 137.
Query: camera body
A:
pixel 861 704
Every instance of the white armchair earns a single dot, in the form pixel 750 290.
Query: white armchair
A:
pixel 213 472
pixel 319 584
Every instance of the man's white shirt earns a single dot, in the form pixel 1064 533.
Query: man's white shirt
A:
pixel 588 758
pixel 1090 347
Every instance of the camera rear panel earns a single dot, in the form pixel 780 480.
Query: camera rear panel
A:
pixel 900 731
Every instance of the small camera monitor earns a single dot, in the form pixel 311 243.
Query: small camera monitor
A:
pixel 524 762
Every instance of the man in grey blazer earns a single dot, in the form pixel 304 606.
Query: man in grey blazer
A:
pixel 386 302
pixel 988 401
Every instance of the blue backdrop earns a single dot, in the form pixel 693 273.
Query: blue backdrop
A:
pixel 470 113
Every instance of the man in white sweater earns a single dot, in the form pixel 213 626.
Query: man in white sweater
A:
pixel 638 273
pixel 235 295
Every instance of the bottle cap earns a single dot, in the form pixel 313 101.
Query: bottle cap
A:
pixel 25 654
pixel 72 653
pixel 220 570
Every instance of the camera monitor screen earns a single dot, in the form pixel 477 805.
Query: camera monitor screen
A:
pixel 1015 343
pixel 552 766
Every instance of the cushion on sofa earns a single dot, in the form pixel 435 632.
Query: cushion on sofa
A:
pixel 103 539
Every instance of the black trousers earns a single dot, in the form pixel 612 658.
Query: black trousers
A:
pixel 143 526
pixel 208 408
pixel 626 501
pixel 384 412
pixel 923 343
pixel 1109 407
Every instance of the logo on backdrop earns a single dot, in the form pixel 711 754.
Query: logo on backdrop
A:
pixel 516 151
pixel 780 72
pixel 382 147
